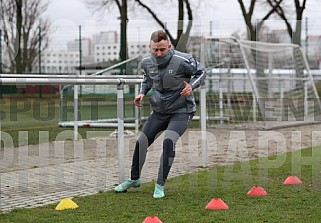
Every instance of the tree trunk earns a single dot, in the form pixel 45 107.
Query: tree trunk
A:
pixel 18 58
pixel 182 37
pixel 123 34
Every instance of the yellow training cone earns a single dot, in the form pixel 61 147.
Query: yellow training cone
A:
pixel 66 203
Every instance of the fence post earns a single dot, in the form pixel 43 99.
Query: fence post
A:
pixel 76 112
pixel 305 104
pixel 0 59
pixel 61 103
pixel 282 103
pixel 221 100
pixel 203 124
pixel 254 107
pixel 136 111
pixel 0 51
pixel 120 131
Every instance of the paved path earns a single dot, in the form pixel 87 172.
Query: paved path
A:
pixel 38 175
pixel 43 174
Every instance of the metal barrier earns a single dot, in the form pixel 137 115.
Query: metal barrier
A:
pixel 30 79
pixel 120 81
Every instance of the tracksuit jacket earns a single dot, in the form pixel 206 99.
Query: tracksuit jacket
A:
pixel 166 75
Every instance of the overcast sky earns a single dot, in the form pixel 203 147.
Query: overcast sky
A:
pixel 225 15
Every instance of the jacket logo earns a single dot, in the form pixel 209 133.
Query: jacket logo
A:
pixel 170 71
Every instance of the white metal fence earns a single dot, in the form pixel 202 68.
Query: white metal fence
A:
pixel 120 82
pixel 225 101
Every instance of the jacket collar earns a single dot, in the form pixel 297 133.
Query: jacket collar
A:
pixel 163 60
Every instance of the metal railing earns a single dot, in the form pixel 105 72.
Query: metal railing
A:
pixel 31 79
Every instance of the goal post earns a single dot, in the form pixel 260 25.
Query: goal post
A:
pixel 259 85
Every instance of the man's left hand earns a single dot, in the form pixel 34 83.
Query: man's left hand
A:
pixel 187 90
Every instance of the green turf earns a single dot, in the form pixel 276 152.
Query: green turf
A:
pixel 17 112
pixel 187 196
pixel 31 115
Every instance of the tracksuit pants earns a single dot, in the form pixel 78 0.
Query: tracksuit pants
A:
pixel 174 126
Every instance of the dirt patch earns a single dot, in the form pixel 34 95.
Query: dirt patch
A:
pixel 222 146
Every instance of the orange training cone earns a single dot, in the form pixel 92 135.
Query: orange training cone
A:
pixel 292 180
pixel 152 219
pixel 217 204
pixel 257 191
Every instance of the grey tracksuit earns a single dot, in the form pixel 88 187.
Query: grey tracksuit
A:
pixel 167 78
pixel 171 111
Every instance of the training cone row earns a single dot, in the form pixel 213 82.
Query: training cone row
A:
pixel 152 219
pixel 66 203
pixel 219 204
pixel 292 180
pixel 216 204
pixel 257 191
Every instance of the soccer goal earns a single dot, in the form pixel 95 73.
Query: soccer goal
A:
pixel 258 85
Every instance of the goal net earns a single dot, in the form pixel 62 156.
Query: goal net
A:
pixel 258 85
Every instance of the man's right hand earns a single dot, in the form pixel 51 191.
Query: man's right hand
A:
pixel 137 100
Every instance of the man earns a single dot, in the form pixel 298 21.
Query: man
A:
pixel 173 76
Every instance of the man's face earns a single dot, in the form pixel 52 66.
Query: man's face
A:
pixel 159 49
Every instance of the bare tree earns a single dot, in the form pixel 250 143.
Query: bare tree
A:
pixel 102 5
pixel 179 42
pixel 294 33
pixel 182 36
pixel 22 22
pixel 253 27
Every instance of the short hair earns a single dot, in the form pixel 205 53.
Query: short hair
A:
pixel 158 36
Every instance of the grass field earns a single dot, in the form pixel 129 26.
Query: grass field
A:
pixel 20 112
pixel 187 196
pixel 32 115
